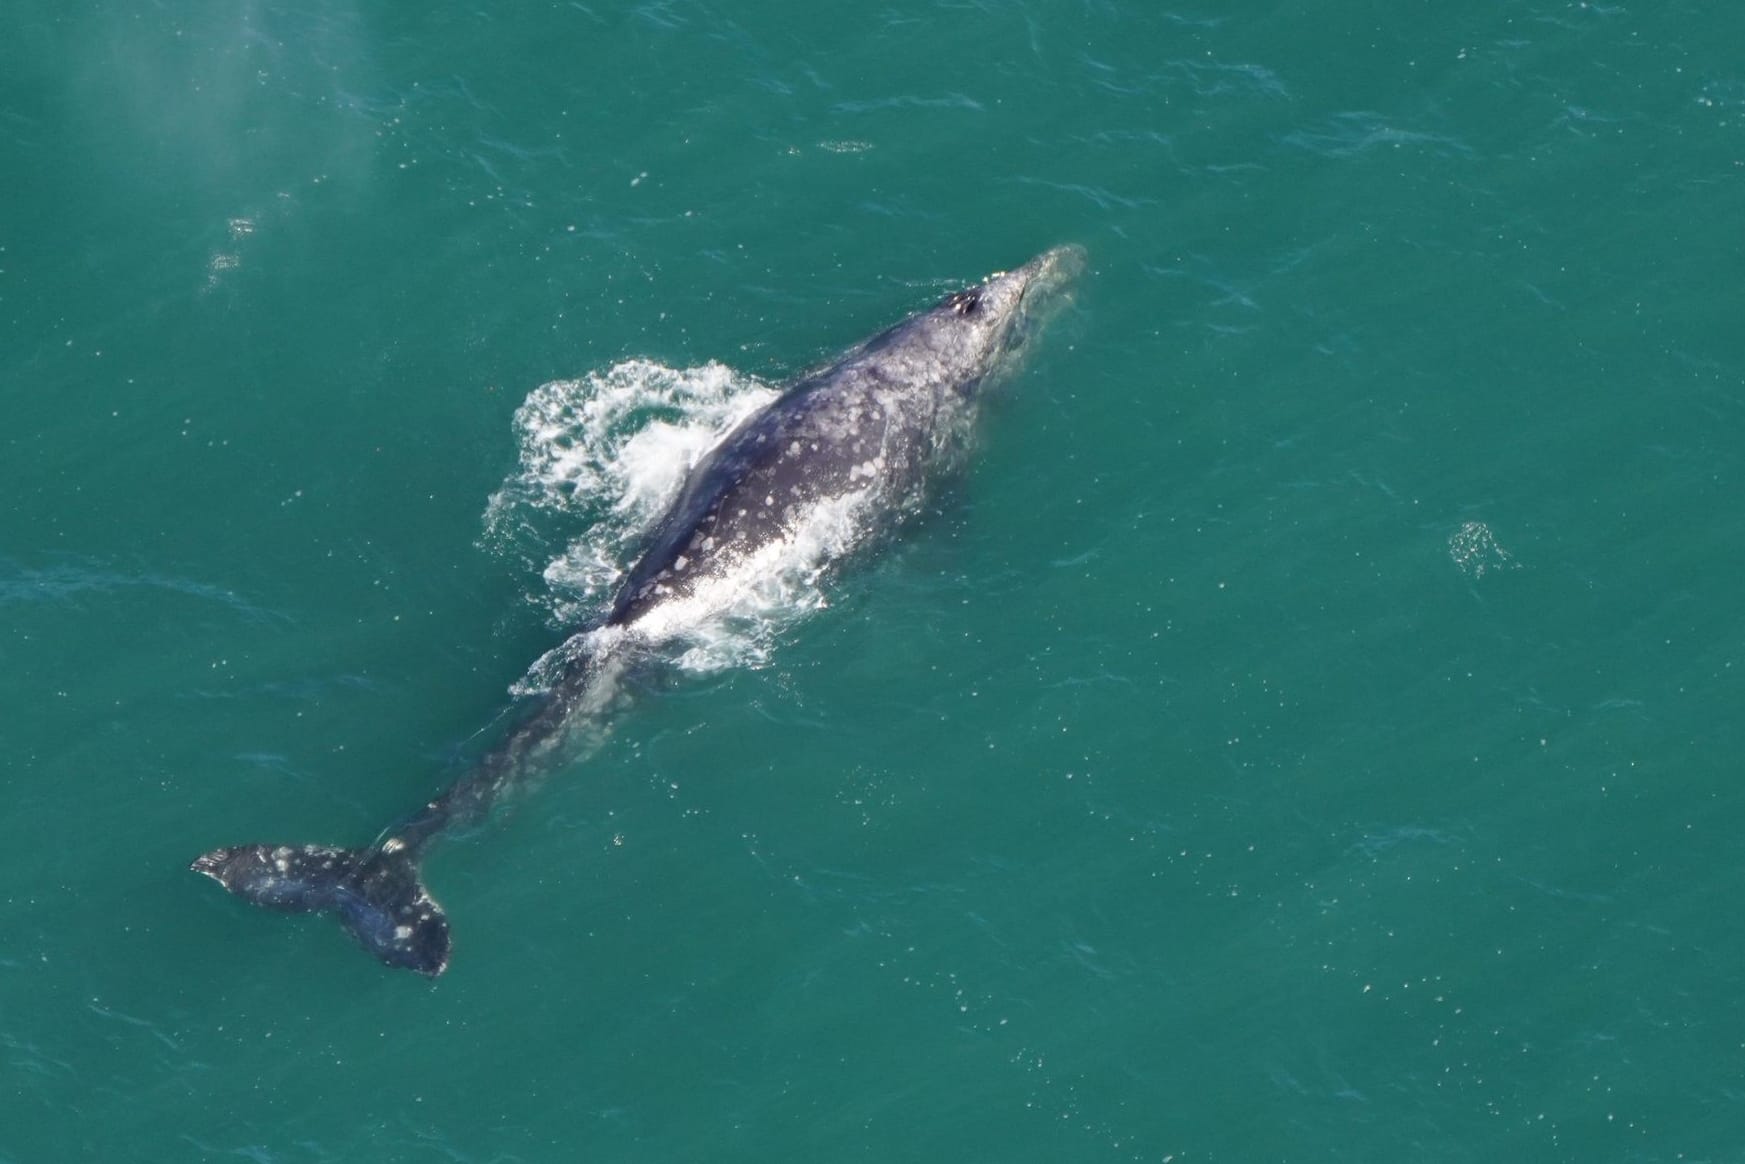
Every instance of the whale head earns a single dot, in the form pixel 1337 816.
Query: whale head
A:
pixel 976 335
pixel 979 333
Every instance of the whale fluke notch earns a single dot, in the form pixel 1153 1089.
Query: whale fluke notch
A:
pixel 376 894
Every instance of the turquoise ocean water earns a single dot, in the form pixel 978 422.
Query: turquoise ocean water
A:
pixel 1310 732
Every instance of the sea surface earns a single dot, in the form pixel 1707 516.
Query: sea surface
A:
pixel 1310 731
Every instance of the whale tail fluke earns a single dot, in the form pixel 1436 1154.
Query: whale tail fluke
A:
pixel 376 894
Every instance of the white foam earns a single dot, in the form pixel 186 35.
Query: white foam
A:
pixel 601 458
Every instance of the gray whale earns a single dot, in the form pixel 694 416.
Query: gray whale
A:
pixel 859 441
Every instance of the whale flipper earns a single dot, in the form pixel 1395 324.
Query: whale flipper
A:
pixel 377 894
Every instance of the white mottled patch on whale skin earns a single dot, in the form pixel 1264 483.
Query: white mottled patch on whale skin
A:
pixel 734 615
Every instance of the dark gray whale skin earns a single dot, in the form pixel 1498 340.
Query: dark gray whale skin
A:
pixel 876 426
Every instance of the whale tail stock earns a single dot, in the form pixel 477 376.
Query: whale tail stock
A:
pixel 376 894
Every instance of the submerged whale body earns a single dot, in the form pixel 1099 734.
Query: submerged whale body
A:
pixel 797 486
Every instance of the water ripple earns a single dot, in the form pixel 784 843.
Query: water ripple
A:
pixel 66 581
pixel 1346 135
